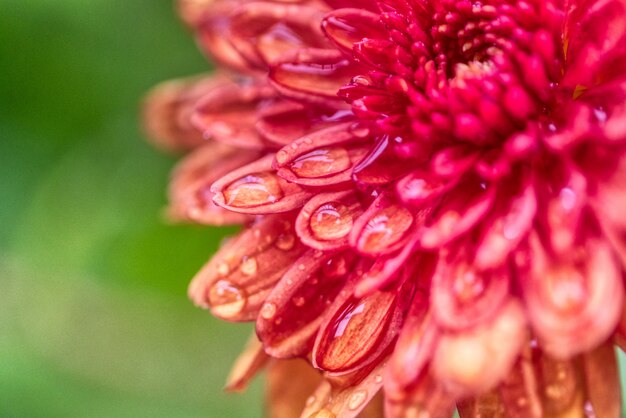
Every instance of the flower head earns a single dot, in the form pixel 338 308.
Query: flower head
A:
pixel 431 193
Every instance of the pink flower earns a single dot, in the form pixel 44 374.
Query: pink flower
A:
pixel 432 194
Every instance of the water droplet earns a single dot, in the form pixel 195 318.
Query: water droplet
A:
pixel 249 266
pixel 223 269
pixel 384 229
pixel 378 378
pixel 298 301
pixel 331 221
pixel 324 413
pixel 268 310
pixel 357 399
pixel 253 190
pixel 282 157
pixel 301 267
pixel 285 241
pixel 226 299
pixel 321 162
pixel 310 400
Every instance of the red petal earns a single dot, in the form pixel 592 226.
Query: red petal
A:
pixel 341 4
pixel 190 197
pixel 574 303
pixel 325 222
pixel 463 297
pixel 356 332
pixel 345 27
pixel 476 360
pixel 464 207
pixel 384 227
pixel 314 76
pixel 323 158
pixel 228 114
pixel 239 277
pixel 422 187
pixel 255 188
pixel 291 315
pixel 382 165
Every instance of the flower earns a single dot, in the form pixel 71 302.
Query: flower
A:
pixel 431 193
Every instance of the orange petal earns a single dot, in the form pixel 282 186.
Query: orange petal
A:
pixel 488 405
pixel 602 381
pixel 347 397
pixel 247 365
pixel 519 391
pixel 562 389
pixel 427 398
pixel 289 385
pixel 239 277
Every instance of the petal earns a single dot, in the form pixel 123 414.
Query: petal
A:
pixel 281 122
pixel 168 108
pixel 289 384
pixel 263 31
pixel 325 222
pixel 428 398
pixel 365 4
pixel 488 405
pixel 462 296
pixel 292 313
pixel 382 165
pixel 574 303
pixel 562 390
pixel 323 158
pixel 476 360
pixel 313 76
pixel 345 27
pixel 422 187
pixel 602 381
pixel 190 196
pixel 255 188
pixel 520 391
pixel 247 365
pixel 415 347
pixel 347 397
pixel 462 209
pixel 356 332
pixel 506 227
pixel 235 283
pixel 384 227
pixel 228 114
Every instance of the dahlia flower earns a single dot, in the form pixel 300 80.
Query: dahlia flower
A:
pixel 432 195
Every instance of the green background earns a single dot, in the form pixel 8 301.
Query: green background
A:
pixel 94 319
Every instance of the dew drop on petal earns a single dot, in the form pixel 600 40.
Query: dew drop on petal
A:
pixel 321 162
pixel 285 241
pixel 378 378
pixel 336 267
pixel 385 228
pixel 357 399
pixel 253 190
pixel 268 310
pixel 310 400
pixel 249 266
pixel 226 299
pixel 298 301
pixel 223 269
pixel 331 221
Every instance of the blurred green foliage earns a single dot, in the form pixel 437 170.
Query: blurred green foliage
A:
pixel 94 319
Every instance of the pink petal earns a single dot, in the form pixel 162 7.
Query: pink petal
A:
pixel 573 303
pixel 422 187
pixel 235 283
pixel 323 158
pixel 325 222
pixel 255 188
pixel 247 365
pixel 345 27
pixel 384 227
pixel 190 196
pixel 228 114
